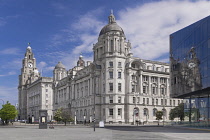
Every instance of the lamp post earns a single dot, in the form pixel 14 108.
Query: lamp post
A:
pixel 75 117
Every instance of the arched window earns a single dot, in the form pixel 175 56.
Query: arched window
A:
pixel 154 111
pixel 145 112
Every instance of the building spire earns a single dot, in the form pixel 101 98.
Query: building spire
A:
pixel 111 18
pixel 29 47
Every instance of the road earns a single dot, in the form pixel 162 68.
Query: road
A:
pixel 110 132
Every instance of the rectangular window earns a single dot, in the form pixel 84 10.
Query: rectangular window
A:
pixel 110 86
pixel 178 102
pixel 119 86
pixel 147 100
pixel 153 102
pixel 170 102
pixel 46 90
pixel 111 111
pixel 153 90
pixel 111 74
pixel 156 101
pixel 143 100
pixel 162 91
pixel 134 100
pixel 165 101
pixel 119 111
pixel 111 99
pixel 154 79
pixel 119 74
pixel 161 101
pixel 119 99
pixel 145 78
pixel 46 95
pixel 138 101
pixel 174 102
pixel 133 88
pixel 144 89
pixel 110 64
pixel 119 65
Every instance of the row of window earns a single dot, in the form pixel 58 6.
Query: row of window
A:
pixel 111 87
pixel 111 74
pixel 111 99
pixel 154 90
pixel 145 112
pixel 155 102
pixel 154 79
pixel 111 64
pixel 111 112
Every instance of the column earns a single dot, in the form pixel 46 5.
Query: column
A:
pixel 158 87
pixel 149 85
pixel 140 83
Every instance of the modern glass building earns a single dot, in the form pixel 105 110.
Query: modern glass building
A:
pixel 190 70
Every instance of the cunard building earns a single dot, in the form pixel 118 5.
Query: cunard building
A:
pixel 116 87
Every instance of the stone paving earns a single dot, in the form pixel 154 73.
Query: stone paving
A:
pixel 110 132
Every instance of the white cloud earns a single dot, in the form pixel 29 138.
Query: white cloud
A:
pixel 9 51
pixel 148 26
pixel 41 65
pixel 85 32
pixel 9 73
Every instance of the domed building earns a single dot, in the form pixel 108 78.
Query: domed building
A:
pixel 116 87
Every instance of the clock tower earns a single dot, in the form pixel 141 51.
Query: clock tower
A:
pixel 29 74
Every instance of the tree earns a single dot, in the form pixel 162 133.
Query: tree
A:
pixel 57 115
pixel 159 115
pixel 63 115
pixel 8 112
pixel 177 112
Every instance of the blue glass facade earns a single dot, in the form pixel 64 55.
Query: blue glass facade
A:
pixel 190 69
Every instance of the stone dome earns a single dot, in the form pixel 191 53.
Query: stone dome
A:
pixel 112 26
pixel 59 65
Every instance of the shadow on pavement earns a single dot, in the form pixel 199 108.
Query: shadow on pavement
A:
pixel 157 129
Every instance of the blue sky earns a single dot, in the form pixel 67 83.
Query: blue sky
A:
pixel 59 30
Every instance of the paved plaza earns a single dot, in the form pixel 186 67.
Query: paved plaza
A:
pixel 110 132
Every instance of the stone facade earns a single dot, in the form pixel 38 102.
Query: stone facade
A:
pixel 116 87
pixel 34 91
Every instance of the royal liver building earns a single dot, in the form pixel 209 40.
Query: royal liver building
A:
pixel 116 87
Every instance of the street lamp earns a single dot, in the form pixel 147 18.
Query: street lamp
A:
pixel 75 117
